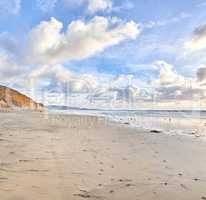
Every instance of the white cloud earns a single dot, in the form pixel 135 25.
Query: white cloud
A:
pixel 10 7
pixel 121 81
pixel 107 90
pixel 56 77
pixel 92 6
pixel 46 5
pixel 56 72
pixel 117 89
pixel 172 86
pixel 198 41
pixel 49 45
pixel 99 5
pixel 167 74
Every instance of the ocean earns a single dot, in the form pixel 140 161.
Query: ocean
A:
pixel 187 122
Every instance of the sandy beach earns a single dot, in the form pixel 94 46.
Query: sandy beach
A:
pixel 59 157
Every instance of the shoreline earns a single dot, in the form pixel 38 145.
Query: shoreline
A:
pixel 129 124
pixel 182 125
pixel 65 157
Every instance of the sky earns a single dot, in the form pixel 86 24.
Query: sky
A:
pixel 135 54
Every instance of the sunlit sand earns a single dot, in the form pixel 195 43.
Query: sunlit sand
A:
pixel 53 157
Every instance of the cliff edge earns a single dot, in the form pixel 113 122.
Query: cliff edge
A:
pixel 10 98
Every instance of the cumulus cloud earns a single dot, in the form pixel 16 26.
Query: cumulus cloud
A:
pixel 92 6
pixel 48 44
pixel 59 82
pixel 172 86
pixel 167 74
pixel 10 7
pixel 198 41
pixel 46 5
pixel 57 77
pixel 119 88
pixel 99 5
pixel 57 72
pixel 38 63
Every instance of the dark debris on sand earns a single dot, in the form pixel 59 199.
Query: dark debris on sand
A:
pixel 155 131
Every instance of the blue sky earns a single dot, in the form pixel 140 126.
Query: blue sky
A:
pixel 159 31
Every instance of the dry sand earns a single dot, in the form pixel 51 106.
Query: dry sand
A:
pixel 57 157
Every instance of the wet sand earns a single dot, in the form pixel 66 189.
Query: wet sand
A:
pixel 57 157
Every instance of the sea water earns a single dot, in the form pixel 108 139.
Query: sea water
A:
pixel 189 122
